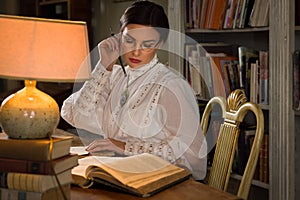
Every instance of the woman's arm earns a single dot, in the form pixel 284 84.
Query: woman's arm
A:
pixel 82 108
pixel 179 138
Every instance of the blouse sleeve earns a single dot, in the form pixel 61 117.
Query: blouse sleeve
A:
pixel 181 140
pixel 81 108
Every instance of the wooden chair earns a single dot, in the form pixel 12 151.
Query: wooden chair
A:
pixel 233 112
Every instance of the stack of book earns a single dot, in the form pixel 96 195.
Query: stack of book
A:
pixel 29 169
pixel 229 14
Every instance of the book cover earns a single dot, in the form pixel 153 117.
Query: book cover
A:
pixel 208 13
pixel 142 175
pixel 254 82
pixel 217 14
pixel 264 77
pixel 203 13
pixel 246 57
pixel 34 149
pixel 237 13
pixel 242 14
pixel 196 80
pixel 246 13
pixel 39 167
pixel 231 67
pixel 229 15
pixel 259 16
pixel 33 182
pixel 219 73
pixel 264 160
pixel 54 193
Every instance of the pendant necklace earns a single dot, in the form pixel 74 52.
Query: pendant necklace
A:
pixel 125 93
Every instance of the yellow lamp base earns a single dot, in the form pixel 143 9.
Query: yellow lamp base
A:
pixel 29 113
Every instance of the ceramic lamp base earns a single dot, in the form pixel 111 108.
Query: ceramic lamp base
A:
pixel 29 113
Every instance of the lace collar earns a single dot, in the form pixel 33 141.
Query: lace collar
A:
pixel 136 72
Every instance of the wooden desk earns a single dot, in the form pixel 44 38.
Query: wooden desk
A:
pixel 187 190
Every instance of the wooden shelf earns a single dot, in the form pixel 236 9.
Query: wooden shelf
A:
pixel 254 181
pixel 49 2
pixel 260 29
pixel 264 106
pixel 297 113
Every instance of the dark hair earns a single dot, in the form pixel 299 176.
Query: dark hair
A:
pixel 146 13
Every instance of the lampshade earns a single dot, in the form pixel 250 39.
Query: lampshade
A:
pixel 44 50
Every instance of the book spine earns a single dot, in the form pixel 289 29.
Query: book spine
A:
pixel 7 194
pixel 25 166
pixel 36 150
pixel 264 77
pixel 33 182
pixel 28 182
pixel 55 193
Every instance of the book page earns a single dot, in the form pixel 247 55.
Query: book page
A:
pixel 140 169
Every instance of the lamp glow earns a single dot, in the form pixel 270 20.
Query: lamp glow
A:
pixel 43 50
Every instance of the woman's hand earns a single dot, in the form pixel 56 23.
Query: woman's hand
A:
pixel 106 144
pixel 109 51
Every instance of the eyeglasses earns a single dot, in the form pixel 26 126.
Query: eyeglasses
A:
pixel 146 46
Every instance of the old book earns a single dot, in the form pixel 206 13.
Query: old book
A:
pixel 208 13
pixel 38 167
pixel 254 82
pixel 264 160
pixel 237 14
pixel 229 15
pixel 54 193
pixel 260 14
pixel 35 149
pixel 216 18
pixel 246 57
pixel 33 182
pixel 264 77
pixel 204 9
pixel 142 175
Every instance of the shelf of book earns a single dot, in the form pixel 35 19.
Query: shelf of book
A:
pixel 281 39
pixel 234 72
pixel 254 181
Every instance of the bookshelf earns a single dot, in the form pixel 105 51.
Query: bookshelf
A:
pixel 281 38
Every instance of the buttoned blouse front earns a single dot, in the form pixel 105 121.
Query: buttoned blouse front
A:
pixel 160 115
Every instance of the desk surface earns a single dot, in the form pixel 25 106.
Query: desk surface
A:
pixel 187 190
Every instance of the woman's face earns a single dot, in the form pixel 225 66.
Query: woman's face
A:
pixel 139 44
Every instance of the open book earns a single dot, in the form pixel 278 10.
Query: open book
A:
pixel 142 175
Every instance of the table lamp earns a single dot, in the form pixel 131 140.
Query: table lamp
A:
pixel 36 49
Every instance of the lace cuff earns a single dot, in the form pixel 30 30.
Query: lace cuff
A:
pixel 93 91
pixel 161 149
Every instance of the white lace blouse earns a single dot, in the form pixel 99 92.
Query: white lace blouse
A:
pixel 160 115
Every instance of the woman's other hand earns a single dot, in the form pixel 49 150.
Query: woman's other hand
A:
pixel 109 51
pixel 106 145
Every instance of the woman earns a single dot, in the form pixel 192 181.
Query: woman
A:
pixel 146 109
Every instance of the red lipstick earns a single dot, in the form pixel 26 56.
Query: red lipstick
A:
pixel 133 60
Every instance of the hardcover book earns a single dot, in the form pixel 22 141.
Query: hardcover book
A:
pixel 246 57
pixel 39 167
pixel 33 182
pixel 34 149
pixel 54 193
pixel 142 175
pixel 264 77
